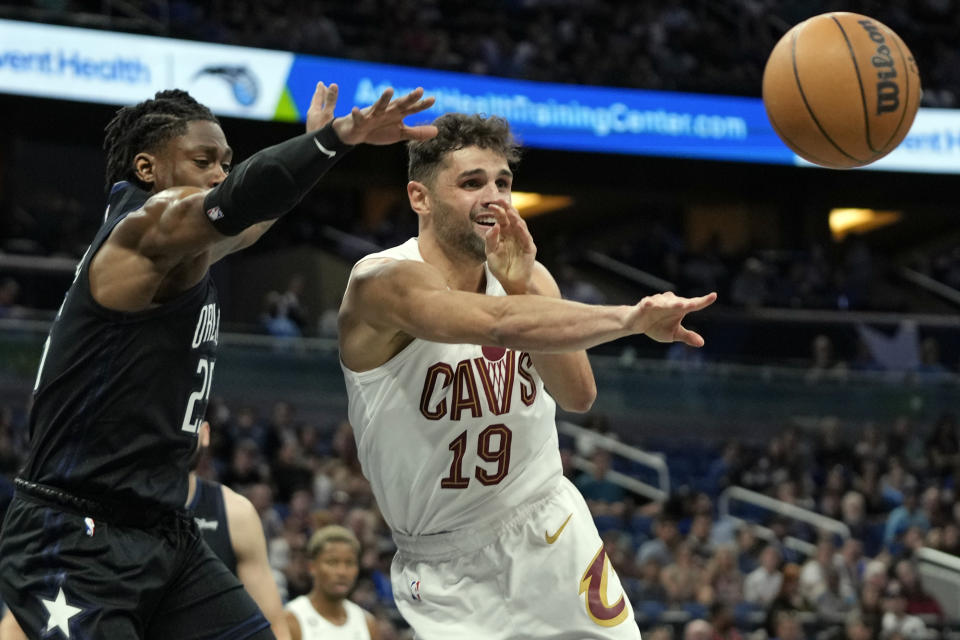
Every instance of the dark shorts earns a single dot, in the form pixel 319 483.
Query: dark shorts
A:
pixel 62 568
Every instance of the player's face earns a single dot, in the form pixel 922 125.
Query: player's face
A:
pixel 198 158
pixel 335 570
pixel 464 188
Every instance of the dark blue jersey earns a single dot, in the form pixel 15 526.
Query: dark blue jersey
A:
pixel 119 396
pixel 210 514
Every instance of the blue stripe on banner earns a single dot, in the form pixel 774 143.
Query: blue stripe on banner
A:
pixel 254 624
pixel 565 117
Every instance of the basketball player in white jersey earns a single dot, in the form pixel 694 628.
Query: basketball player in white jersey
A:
pixel 325 613
pixel 456 348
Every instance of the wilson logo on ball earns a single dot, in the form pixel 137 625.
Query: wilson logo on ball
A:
pixel 888 91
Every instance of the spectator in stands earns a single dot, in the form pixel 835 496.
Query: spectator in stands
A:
pixel 603 496
pixel 871 607
pixel 698 630
pixel 903 439
pixel 246 466
pixel 833 603
pixel 699 537
pixel 853 513
pixel 896 620
pixel 813 577
pixel 748 549
pixel 260 496
pixel 950 539
pixel 786 626
pixel 909 514
pixel 850 565
pixel 919 602
pixel 724 577
pixel 649 585
pixel 857 629
pixel 762 585
pixel 867 483
pixel 870 445
pixel 663 632
pixel 682 577
pixel 725 470
pixel 722 620
pixel 832 453
pixel 664 545
pixel 290 472
pixel 789 599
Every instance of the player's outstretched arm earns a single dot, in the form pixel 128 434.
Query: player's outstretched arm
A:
pixel 388 298
pixel 253 568
pixel 180 223
pixel 319 115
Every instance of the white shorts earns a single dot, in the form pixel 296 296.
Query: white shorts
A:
pixel 541 573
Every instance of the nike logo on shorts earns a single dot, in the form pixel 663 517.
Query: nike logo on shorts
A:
pixel 553 538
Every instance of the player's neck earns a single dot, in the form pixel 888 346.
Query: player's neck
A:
pixel 330 608
pixel 462 273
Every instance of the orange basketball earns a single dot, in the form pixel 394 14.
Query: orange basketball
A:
pixel 841 90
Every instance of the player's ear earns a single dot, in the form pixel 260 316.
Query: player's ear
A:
pixel 144 167
pixel 419 197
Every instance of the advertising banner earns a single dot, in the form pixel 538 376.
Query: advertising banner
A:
pixel 102 66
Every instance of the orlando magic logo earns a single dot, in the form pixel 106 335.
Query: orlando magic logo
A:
pixel 241 81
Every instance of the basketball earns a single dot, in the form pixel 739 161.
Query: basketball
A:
pixel 841 90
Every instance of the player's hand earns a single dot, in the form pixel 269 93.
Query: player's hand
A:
pixel 322 105
pixel 660 317
pixel 382 122
pixel 511 252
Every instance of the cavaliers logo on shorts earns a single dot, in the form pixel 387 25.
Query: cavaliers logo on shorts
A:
pixel 594 583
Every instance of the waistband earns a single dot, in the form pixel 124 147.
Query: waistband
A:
pixel 441 546
pixel 140 515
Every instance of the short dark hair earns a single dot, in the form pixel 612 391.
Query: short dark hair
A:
pixel 458 131
pixel 146 126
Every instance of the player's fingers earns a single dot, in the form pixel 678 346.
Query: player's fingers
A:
pixel 501 215
pixel 381 104
pixel 405 102
pixel 330 100
pixel 686 336
pixel 696 304
pixel 492 239
pixel 419 106
pixel 420 132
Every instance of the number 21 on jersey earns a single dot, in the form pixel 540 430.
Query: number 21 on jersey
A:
pixel 192 422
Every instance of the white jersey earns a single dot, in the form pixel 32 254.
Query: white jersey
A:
pixel 452 435
pixel 314 626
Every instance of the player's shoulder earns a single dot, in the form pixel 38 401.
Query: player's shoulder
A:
pixel 240 511
pixel 153 207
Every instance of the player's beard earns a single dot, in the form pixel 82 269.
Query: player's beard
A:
pixel 457 233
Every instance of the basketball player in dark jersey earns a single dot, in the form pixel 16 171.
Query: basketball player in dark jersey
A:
pixel 96 543
pixel 230 526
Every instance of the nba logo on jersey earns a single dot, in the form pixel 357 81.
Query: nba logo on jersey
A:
pixel 415 590
pixel 90 524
